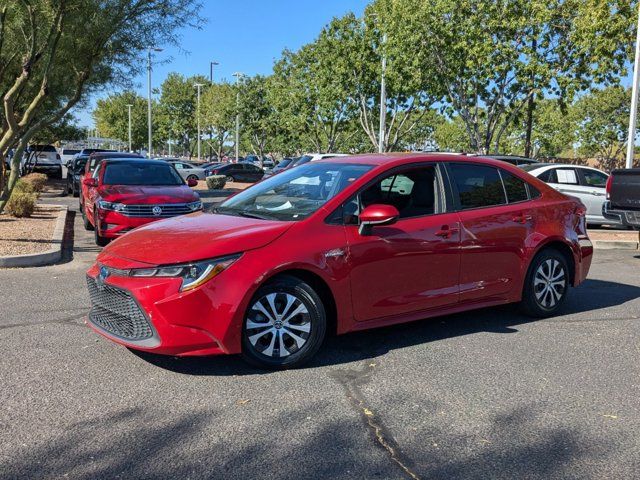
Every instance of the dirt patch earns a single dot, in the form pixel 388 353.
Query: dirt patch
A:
pixel 202 185
pixel 19 236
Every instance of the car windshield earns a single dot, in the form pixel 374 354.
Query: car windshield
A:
pixel 283 163
pixel 293 194
pixel 141 173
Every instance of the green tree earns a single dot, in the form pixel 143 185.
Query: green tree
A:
pixel 52 53
pixel 218 114
pixel 494 57
pixel 111 117
pixel 603 122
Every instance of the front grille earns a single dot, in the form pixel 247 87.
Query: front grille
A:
pixel 166 210
pixel 115 311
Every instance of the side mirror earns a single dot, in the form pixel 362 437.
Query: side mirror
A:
pixel 192 183
pixel 377 215
pixel 90 182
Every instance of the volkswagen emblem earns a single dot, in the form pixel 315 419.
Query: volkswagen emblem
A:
pixel 156 210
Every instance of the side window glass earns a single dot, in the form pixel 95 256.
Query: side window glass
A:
pixel 478 185
pixel 593 178
pixel 566 176
pixel 515 187
pixel 413 193
pixel 178 166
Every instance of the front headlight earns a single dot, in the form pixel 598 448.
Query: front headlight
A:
pixel 192 274
pixel 195 206
pixel 116 207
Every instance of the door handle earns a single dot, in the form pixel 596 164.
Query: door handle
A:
pixel 446 232
pixel 522 219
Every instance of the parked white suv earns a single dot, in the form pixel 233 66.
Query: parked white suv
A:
pixel 42 158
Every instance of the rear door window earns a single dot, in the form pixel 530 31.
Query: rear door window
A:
pixel 477 185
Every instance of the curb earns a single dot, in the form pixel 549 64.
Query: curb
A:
pixel 48 257
pixel 614 244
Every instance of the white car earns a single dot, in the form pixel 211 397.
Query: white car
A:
pixel 586 183
pixel 42 158
pixel 314 157
pixel 67 154
pixel 189 171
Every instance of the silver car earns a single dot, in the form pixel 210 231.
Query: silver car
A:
pixel 188 171
pixel 586 183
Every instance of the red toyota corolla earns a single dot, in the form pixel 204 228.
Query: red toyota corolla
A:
pixel 340 245
pixel 123 194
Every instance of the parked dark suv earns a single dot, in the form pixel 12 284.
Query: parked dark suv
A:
pixel 75 169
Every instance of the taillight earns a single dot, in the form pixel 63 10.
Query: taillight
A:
pixel 215 172
pixel 608 186
pixel 580 210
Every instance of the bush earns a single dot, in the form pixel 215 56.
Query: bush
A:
pixel 21 204
pixel 23 187
pixel 216 182
pixel 36 180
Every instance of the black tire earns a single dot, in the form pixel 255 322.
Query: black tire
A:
pixel 276 333
pixel 85 220
pixel 193 177
pixel 230 178
pixel 100 240
pixel 544 292
pixel 75 191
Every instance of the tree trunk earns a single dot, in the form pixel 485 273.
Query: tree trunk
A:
pixel 531 105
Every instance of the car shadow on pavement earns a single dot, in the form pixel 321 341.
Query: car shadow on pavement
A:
pixel 160 442
pixel 592 295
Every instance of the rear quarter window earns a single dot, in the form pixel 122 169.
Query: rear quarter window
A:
pixel 515 187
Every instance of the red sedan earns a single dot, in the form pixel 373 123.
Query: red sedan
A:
pixel 340 245
pixel 123 194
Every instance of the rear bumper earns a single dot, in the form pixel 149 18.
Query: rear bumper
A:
pixel 628 218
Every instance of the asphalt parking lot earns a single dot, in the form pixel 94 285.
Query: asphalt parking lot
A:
pixel 486 394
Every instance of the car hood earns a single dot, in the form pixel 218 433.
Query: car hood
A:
pixel 197 236
pixel 143 195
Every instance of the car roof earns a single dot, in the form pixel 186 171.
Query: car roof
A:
pixel 393 159
pixel 532 167
pixel 134 160
pixel 115 155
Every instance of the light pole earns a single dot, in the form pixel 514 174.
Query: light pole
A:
pixel 238 76
pixel 383 100
pixel 634 99
pixel 212 64
pixel 150 131
pixel 129 107
pixel 198 87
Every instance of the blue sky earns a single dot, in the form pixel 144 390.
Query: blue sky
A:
pixel 243 36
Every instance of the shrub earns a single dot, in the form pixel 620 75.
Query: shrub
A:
pixel 216 182
pixel 37 180
pixel 23 187
pixel 21 204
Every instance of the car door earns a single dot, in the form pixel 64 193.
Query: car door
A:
pixel 593 183
pixel 496 218
pixel 412 265
pixel 254 173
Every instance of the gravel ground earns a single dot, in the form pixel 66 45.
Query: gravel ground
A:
pixel 19 236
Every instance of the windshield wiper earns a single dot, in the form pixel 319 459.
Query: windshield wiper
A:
pixel 254 215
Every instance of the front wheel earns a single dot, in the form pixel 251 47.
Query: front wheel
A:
pixel 192 177
pixel 546 284
pixel 284 325
pixel 100 240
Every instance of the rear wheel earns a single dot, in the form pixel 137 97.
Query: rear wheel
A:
pixel 546 284
pixel 85 220
pixel 230 178
pixel 284 325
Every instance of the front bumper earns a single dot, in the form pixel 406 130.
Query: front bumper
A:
pixel 203 321
pixel 628 218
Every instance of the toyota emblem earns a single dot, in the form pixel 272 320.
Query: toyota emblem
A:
pixel 156 211
pixel 102 276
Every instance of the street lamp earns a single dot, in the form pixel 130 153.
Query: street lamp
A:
pixel 239 76
pixel 634 99
pixel 212 64
pixel 198 86
pixel 150 132
pixel 129 107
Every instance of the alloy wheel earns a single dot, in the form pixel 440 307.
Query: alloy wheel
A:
pixel 549 283
pixel 278 325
